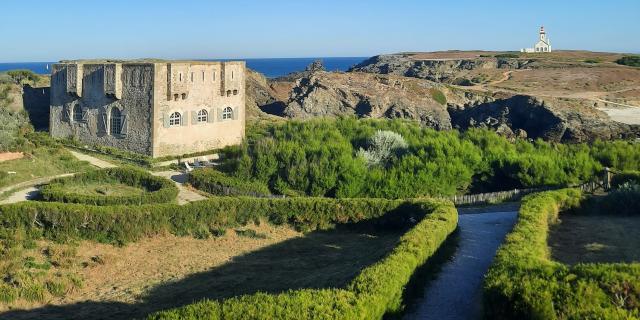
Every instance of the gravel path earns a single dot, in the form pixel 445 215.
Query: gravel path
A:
pixel 456 291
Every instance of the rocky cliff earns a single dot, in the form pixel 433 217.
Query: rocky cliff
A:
pixel 440 70
pixel 367 96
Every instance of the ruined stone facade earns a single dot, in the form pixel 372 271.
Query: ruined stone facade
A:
pixel 152 108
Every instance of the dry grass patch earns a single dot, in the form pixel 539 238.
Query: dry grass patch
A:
pixel 595 238
pixel 168 271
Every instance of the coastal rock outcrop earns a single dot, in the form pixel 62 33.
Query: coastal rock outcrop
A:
pixel 561 120
pixel 367 96
pixel 440 70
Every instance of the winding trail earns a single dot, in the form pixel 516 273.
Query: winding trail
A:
pixel 28 190
pixel 456 290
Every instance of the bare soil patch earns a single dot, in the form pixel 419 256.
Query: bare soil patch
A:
pixel 595 238
pixel 6 156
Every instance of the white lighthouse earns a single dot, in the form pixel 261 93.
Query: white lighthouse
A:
pixel 543 44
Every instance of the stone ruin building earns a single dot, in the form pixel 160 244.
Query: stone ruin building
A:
pixel 156 108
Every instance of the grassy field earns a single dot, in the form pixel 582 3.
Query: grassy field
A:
pixel 168 271
pixel 595 238
pixel 103 188
pixel 42 162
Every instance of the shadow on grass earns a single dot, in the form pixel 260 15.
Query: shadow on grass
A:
pixel 320 259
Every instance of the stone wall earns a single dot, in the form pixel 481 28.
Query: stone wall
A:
pixel 96 100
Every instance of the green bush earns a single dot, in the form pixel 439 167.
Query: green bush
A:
pixel 633 61
pixel 376 291
pixel 157 189
pixel 524 283
pixel 621 178
pixel 220 184
pixel 319 157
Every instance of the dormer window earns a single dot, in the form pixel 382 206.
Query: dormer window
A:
pixel 175 97
pixel 184 96
pixel 235 92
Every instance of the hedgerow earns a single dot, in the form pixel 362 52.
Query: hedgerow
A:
pixel 157 189
pixel 524 283
pixel 122 224
pixel 218 183
pixel 376 291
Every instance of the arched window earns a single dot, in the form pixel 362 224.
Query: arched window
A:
pixel 203 115
pixel 175 119
pixel 77 113
pixel 227 113
pixel 115 122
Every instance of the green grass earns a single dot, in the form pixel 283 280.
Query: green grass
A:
pixel 41 162
pixel 438 96
pixel 103 188
pixel 595 238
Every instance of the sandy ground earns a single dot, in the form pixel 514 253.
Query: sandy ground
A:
pixel 623 115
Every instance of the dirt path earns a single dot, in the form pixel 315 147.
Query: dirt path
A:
pixel 185 195
pixel 456 290
pixel 92 160
pixel 26 190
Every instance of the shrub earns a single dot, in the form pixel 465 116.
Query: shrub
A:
pixel 220 184
pixel 157 189
pixel 376 291
pixel 524 283
pixel 20 76
pixel 383 145
pixel 633 61
pixel 631 177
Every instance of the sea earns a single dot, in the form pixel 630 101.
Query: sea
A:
pixel 270 67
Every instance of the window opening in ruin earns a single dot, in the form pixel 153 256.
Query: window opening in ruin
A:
pixel 115 122
pixel 77 113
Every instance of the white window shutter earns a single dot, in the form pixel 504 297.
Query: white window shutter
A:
pixel 194 117
pixel 210 116
pixel 184 121
pixel 234 113
pixel 219 114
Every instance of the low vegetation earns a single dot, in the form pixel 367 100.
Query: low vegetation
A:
pixel 524 283
pixel 39 162
pixel 438 96
pixel 221 184
pixel 113 186
pixel 376 291
pixel 633 61
pixel 340 158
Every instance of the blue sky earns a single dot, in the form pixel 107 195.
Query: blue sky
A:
pixel 65 29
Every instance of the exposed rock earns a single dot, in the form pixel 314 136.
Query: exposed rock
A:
pixel 440 70
pixel 551 119
pixel 367 96
pixel 261 98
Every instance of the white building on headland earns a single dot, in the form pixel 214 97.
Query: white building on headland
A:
pixel 543 45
